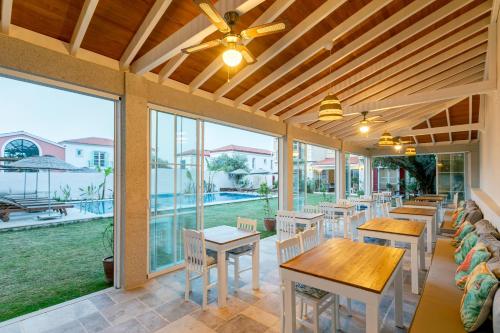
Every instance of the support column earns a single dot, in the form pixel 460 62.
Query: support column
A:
pixel 340 174
pixel 368 175
pixel 135 191
pixel 286 173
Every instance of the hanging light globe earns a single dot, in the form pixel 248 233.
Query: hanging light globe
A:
pixel 386 140
pixel 232 57
pixel 330 108
pixel 410 151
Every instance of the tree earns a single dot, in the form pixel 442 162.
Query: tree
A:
pixel 227 164
pixel 421 167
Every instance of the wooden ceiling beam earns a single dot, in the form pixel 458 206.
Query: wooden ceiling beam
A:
pixel 470 116
pixel 437 130
pixel 6 16
pixel 408 114
pixel 271 14
pixel 390 62
pixel 150 21
pixel 428 126
pixel 82 25
pixel 326 41
pixel 448 122
pixel 291 36
pixel 171 66
pixel 193 32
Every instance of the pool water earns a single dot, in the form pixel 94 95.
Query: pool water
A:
pixel 166 201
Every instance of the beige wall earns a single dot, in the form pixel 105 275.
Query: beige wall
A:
pixel 55 67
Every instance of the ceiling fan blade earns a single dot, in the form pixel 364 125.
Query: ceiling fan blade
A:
pixel 378 121
pixel 372 118
pixel 247 55
pixel 213 15
pixel 202 46
pixel 356 124
pixel 262 30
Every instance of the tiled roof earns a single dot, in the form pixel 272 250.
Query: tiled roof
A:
pixel 91 141
pixel 243 149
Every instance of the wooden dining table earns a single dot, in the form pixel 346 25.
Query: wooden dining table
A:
pixel 347 210
pixel 399 231
pixel 343 267
pixel 224 238
pixel 418 214
pixel 310 220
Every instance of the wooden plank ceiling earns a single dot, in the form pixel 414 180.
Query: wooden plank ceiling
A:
pixel 380 49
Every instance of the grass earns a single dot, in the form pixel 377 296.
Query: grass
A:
pixel 46 266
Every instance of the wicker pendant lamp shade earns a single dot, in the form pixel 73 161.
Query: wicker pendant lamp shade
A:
pixel 386 140
pixel 330 108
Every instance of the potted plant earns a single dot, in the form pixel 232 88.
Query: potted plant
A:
pixel 108 244
pixel 269 219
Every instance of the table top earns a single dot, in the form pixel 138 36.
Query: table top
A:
pixel 420 203
pixel 413 211
pixel 308 216
pixel 333 260
pixel 225 234
pixel 348 206
pixel 365 200
pixel 429 198
pixel 392 226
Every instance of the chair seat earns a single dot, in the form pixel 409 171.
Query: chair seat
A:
pixel 211 257
pixel 241 250
pixel 310 291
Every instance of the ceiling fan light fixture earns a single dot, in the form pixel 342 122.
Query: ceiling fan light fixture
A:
pixel 364 128
pixel 330 108
pixel 232 57
pixel 398 146
pixel 410 151
pixel 386 140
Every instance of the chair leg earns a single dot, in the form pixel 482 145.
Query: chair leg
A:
pixel 301 313
pixel 236 273
pixel 188 286
pixel 315 318
pixel 349 307
pixel 205 291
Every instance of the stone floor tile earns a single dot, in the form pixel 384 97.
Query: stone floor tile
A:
pixel 234 307
pixel 242 324
pixel 129 326
pixel 176 309
pixel 208 318
pixel 73 327
pixel 13 328
pixel 102 301
pixel 124 311
pixel 152 321
pixel 260 316
pixel 94 322
pixel 186 324
pixel 120 295
pixel 270 303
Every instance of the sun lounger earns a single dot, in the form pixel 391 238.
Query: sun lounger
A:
pixel 8 206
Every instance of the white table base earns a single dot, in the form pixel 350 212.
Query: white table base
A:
pixel 430 226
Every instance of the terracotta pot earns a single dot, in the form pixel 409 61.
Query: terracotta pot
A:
pixel 270 223
pixel 108 264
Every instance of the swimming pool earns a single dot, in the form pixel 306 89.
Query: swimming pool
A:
pixel 166 201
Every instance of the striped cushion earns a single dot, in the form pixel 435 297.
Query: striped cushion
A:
pixel 241 249
pixel 310 291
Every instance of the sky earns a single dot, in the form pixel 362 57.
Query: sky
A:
pixel 53 114
pixel 58 115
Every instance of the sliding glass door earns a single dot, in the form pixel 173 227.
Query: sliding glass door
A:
pixel 174 178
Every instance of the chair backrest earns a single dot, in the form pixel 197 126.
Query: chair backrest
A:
pixel 285 225
pixel 386 207
pixel 399 201
pixel 246 224
pixel 366 196
pixel 309 238
pixel 343 202
pixel 455 200
pixel 194 250
pixel 288 249
pixel 310 209
pixel 326 208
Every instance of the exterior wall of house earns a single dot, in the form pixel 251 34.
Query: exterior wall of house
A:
pixel 254 161
pixel 82 155
pixel 45 148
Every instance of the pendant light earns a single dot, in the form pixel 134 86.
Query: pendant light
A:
pixel 410 151
pixel 386 140
pixel 330 108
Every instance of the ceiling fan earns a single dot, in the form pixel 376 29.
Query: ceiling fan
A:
pixel 365 122
pixel 235 50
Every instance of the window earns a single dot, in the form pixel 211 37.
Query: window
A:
pixel 21 148
pixel 253 163
pixel 99 159
pixel 451 175
pixel 79 153
pixel 265 162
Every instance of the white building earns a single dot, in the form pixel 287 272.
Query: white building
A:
pixel 89 152
pixel 257 159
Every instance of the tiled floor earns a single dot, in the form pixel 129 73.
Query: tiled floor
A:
pixel 160 307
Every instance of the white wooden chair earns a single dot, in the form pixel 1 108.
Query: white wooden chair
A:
pixel 317 299
pixel 286 225
pixel 197 262
pixel 385 208
pixel 330 219
pixel 309 239
pixel 234 255
pixel 399 201
pixel 357 219
pixel 343 202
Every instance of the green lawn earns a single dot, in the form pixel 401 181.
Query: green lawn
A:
pixel 47 266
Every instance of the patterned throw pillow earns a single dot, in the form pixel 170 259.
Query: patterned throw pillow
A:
pixel 494 266
pixel 478 297
pixel 460 218
pixel 484 227
pixel 477 255
pixel 465 229
pixel 466 245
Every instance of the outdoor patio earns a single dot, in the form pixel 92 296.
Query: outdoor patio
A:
pixel 160 307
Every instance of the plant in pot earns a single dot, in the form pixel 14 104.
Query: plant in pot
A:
pixel 269 220
pixel 108 244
